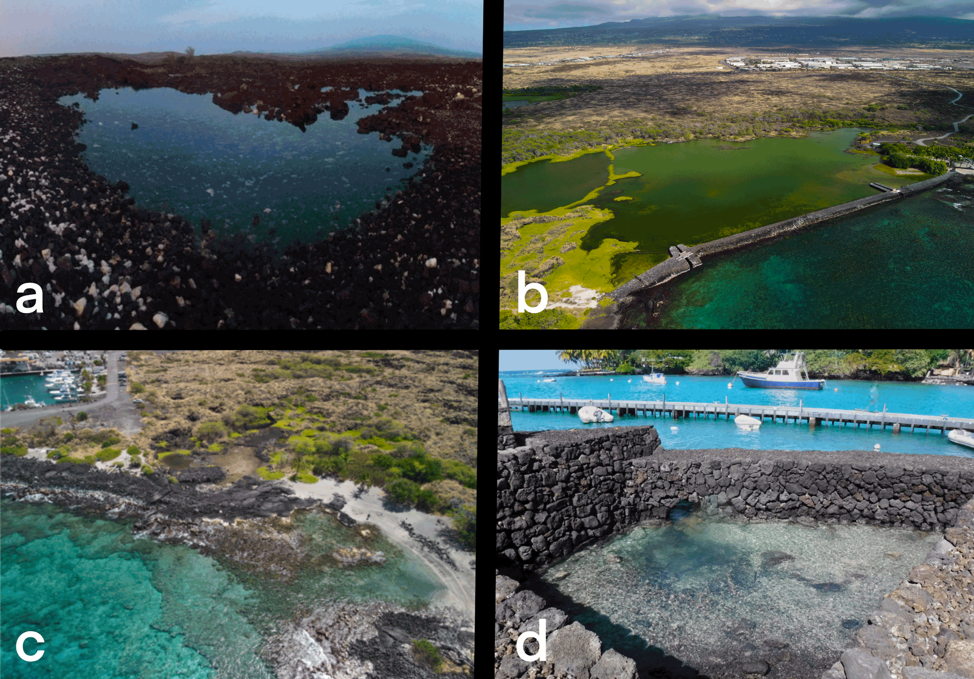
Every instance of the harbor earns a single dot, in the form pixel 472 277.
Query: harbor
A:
pixel 678 410
pixel 31 380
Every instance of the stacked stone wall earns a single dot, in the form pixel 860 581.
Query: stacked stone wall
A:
pixel 558 491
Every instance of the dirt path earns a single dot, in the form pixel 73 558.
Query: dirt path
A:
pixel 956 129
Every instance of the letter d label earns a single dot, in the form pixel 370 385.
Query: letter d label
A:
pixel 522 289
pixel 540 636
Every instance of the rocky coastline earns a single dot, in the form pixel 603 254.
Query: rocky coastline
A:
pixel 248 524
pixel 105 263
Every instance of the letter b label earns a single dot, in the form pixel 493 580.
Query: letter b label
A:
pixel 522 289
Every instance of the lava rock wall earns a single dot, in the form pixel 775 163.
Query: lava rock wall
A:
pixel 560 490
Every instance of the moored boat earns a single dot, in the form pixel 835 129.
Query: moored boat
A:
pixel 655 378
pixel 786 375
pixel 591 415
pixel 747 422
pixel 961 436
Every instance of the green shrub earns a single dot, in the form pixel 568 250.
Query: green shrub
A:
pixel 136 388
pixel 81 417
pixel 265 473
pixel 215 447
pixel 108 454
pixel 19 451
pixel 133 450
pixel 305 477
pixel 428 653
pixel 110 441
pixel 211 431
pixel 403 491
pixel 146 469
pixel 250 417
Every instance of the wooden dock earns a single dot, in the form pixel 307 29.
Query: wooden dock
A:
pixel 797 414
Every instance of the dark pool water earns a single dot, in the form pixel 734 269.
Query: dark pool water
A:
pixel 190 157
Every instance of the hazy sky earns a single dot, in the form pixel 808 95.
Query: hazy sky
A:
pixel 526 14
pixel 532 360
pixel 215 26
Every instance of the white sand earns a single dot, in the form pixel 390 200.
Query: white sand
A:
pixel 459 585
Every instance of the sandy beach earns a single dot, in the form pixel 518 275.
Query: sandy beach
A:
pixel 371 508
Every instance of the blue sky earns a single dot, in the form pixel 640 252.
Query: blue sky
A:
pixel 532 360
pixel 527 14
pixel 218 26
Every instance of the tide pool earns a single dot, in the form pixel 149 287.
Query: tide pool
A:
pixel 897 397
pixel 110 605
pixel 193 158
pixel 708 593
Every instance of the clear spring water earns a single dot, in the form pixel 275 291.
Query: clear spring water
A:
pixel 186 146
pixel 708 592
pixel 897 397
pixel 110 606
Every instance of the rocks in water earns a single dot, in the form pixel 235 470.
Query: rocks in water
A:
pixel 774 557
pixel 860 664
pixel 337 502
pixel 135 126
pixel 354 556
pixel 758 667
pixel 850 623
pixel 828 587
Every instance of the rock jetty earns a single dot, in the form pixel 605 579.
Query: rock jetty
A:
pixel 104 262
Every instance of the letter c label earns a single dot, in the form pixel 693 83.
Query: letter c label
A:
pixel 20 646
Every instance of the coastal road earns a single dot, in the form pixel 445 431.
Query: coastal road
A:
pixel 116 407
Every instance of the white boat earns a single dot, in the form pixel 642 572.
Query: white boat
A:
pixel 961 436
pixel 31 403
pixel 655 378
pixel 548 379
pixel 786 375
pixel 746 422
pixel 591 414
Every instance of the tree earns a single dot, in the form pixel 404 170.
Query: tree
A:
pixel 190 51
pixel 403 491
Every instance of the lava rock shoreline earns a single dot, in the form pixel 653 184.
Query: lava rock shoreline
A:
pixel 104 263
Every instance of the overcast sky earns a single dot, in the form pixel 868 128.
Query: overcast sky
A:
pixel 215 26
pixel 527 14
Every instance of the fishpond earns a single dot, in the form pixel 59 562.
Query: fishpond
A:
pixel 190 157
pixel 110 605
pixel 697 191
pixel 714 594
pixel 905 264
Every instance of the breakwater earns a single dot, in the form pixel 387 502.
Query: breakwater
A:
pixel 609 317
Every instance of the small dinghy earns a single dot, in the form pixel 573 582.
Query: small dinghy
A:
pixel 746 422
pixel 961 436
pixel 590 414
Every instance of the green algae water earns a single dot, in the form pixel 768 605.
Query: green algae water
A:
pixel 709 592
pixel 193 158
pixel 110 605
pixel 905 264
pixel 698 191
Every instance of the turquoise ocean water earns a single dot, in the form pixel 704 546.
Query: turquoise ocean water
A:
pixel 896 397
pixel 110 606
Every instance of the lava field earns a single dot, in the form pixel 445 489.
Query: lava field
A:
pixel 104 262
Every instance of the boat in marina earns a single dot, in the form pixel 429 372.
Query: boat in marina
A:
pixel 655 378
pixel 962 437
pixel 747 422
pixel 788 374
pixel 592 415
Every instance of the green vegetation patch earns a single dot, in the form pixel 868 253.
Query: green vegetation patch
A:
pixel 108 454
pixel 265 473
pixel 619 199
pixel 428 654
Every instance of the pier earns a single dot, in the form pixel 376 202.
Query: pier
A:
pixel 798 414
pixel 881 187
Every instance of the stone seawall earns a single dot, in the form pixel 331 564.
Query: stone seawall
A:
pixel 560 490
pixel 924 629
pixel 608 318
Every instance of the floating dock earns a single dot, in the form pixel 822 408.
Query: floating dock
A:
pixel 881 187
pixel 798 414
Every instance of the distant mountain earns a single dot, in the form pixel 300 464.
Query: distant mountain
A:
pixel 397 44
pixel 760 31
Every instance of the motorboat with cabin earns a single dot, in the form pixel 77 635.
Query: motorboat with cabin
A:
pixel 655 378
pixel 788 374
pixel 593 415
